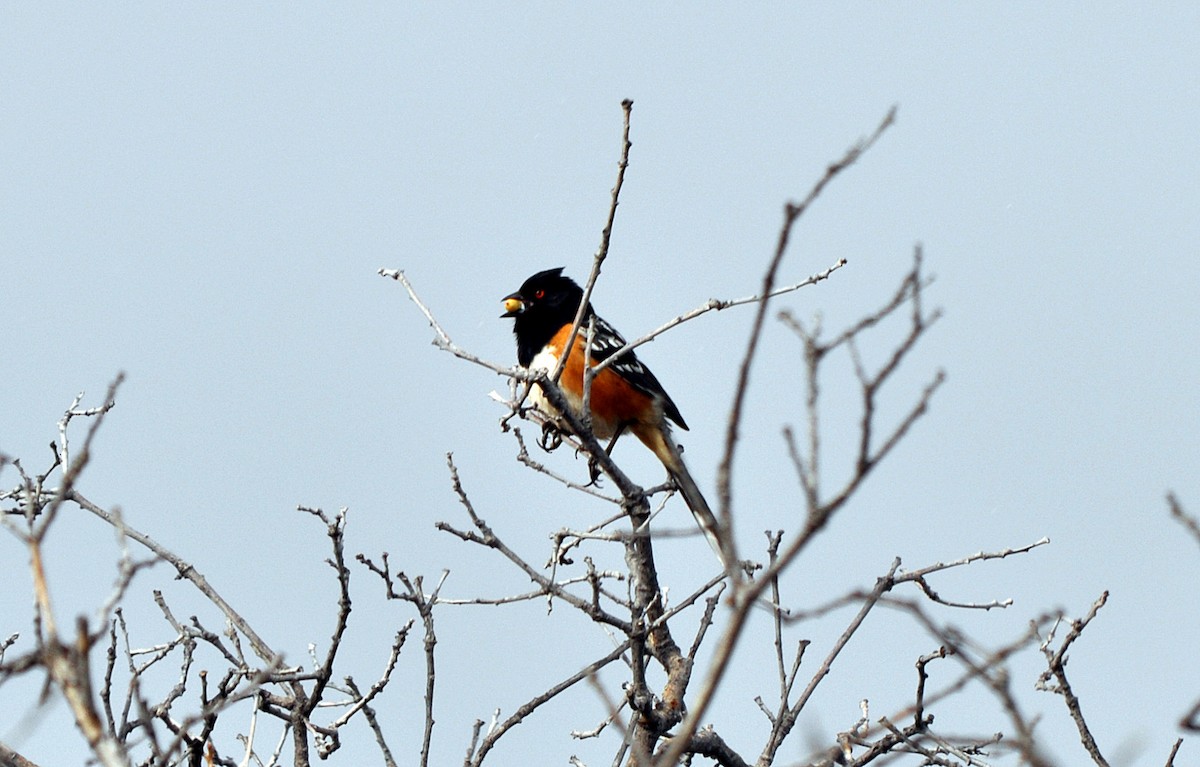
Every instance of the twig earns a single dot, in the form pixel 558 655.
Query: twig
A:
pixel 373 722
pixel 1174 751
pixel 1188 521
pixel 476 756
pixel 979 556
pixel 745 594
pixel 362 702
pixel 718 304
pixel 442 338
pixel 487 537
pixel 792 213
pixel 602 251
pixel 1057 662
pixel 787 716
pixel 188 572
pixel 922 677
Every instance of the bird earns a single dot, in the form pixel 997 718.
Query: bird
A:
pixel 625 395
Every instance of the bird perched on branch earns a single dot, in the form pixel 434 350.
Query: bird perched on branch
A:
pixel 624 395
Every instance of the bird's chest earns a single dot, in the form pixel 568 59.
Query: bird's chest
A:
pixel 571 386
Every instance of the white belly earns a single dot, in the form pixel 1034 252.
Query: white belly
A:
pixel 546 361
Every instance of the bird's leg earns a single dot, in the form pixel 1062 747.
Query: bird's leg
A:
pixel 593 467
pixel 616 435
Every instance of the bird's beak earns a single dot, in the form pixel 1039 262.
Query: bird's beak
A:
pixel 513 305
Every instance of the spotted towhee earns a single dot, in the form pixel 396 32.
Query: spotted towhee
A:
pixel 624 395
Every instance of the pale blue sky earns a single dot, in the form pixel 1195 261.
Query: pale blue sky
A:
pixel 200 196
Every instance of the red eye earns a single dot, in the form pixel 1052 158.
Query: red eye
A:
pixel 539 294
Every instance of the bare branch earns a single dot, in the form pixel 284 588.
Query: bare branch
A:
pixel 442 338
pixel 10 758
pixel 746 594
pixel 717 304
pixel 1057 662
pixel 605 238
pixel 1174 751
pixel 486 537
pixel 475 756
pixel 1189 522
pixel 979 556
pixel 792 213
pixel 373 722
pixel 362 702
pixel 188 572
pixel 787 716
pixel 922 677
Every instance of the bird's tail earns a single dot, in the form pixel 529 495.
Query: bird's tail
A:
pixel 660 441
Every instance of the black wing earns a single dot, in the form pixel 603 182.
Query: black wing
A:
pixel 607 342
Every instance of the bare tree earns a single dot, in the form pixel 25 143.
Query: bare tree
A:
pixel 153 726
pixel 160 704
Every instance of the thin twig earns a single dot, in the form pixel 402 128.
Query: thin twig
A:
pixel 1057 662
pixel 605 239
pixel 792 213
pixel 1188 521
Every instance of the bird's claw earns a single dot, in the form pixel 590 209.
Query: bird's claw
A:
pixel 594 473
pixel 551 437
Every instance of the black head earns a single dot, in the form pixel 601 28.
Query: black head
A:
pixel 545 302
pixel 547 294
